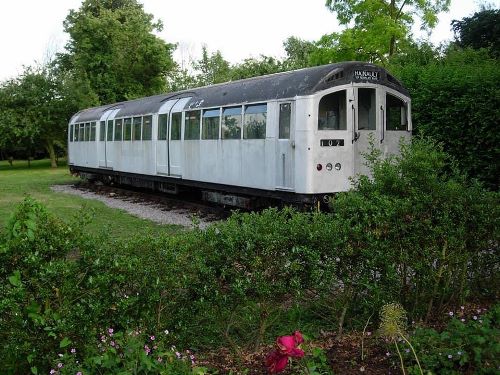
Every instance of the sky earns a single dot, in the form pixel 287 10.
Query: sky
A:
pixel 31 30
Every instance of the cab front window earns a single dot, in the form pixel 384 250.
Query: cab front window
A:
pixel 332 111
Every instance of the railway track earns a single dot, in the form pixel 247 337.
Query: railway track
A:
pixel 187 205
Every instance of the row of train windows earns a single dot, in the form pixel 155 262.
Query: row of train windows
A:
pixel 128 129
pixel 225 123
pixel 332 111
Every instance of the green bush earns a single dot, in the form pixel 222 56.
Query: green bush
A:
pixel 419 233
pixel 456 101
pixel 416 231
pixel 35 295
pixel 470 346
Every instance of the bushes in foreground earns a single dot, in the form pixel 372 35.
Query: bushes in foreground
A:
pixel 416 232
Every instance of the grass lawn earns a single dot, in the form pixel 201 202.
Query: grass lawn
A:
pixel 19 180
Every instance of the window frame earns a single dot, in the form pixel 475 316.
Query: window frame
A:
pixel 192 124
pixel 203 117
pixel 289 122
pixel 245 124
pixel 373 110
pixel 179 125
pixel 345 127
pixel 386 119
pixel 223 117
pixel 118 125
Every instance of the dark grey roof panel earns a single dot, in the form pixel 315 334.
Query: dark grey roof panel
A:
pixel 275 86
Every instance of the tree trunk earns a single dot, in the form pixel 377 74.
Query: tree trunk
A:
pixel 49 145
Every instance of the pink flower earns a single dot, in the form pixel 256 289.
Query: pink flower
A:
pixel 73 351
pixel 277 360
pixel 79 373
pixel 110 331
pixel 152 338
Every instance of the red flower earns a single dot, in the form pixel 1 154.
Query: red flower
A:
pixel 277 360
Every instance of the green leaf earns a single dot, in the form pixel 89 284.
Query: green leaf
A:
pixel 65 342
pixel 15 279
pixel 34 370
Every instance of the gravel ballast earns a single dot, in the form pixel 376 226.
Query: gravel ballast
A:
pixel 144 210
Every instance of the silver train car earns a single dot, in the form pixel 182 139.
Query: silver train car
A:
pixel 296 136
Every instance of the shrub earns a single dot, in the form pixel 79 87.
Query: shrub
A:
pixel 462 347
pixel 37 284
pixel 419 232
pixel 455 101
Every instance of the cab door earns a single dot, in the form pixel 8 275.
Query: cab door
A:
pixel 285 176
pixel 395 114
pixel 367 125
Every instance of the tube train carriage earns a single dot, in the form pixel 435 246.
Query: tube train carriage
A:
pixel 296 136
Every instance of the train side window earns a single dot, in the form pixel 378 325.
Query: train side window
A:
pixel 210 124
pixel 110 131
pixel 102 131
pixel 192 125
pixel 231 123
pixel 175 127
pixel 71 133
pixel 118 129
pixel 92 131
pixel 285 120
pixel 87 131
pixel 162 127
pixel 136 125
pixel 255 121
pixel 127 125
pixel 77 129
pixel 366 109
pixel 332 111
pixel 147 128
pixel 81 133
pixel 396 117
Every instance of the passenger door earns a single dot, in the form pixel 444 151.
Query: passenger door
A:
pixel 169 149
pixel 285 176
pixel 103 144
pixel 162 143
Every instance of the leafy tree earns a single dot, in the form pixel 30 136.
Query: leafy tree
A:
pixel 35 108
pixel 253 67
pixel 482 30
pixel 212 68
pixel 380 26
pixel 113 46
pixel 298 52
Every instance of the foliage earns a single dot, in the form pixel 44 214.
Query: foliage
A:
pixel 213 68
pixel 35 108
pixel 380 25
pixel 466 345
pixel 455 101
pixel 418 231
pixel 34 258
pixel 415 231
pixel 482 30
pixel 129 352
pixel 254 67
pixel 112 45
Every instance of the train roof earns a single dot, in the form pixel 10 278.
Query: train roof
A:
pixel 264 88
